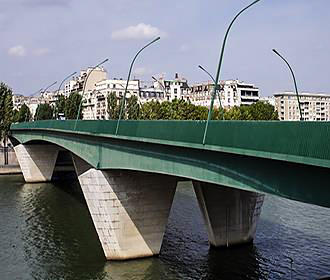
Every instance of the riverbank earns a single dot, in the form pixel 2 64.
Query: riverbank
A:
pixel 10 170
pixel 15 169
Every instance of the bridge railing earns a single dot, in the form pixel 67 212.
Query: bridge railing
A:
pixel 309 141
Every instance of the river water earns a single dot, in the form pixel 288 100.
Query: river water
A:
pixel 46 233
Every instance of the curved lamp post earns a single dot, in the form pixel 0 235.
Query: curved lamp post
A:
pixel 58 91
pixel 219 67
pixel 32 94
pixel 50 86
pixel 83 92
pixel 294 81
pixel 129 75
pixel 45 91
pixel 203 69
pixel 156 80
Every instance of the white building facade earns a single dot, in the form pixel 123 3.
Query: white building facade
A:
pixel 314 106
pixel 97 102
pixel 232 93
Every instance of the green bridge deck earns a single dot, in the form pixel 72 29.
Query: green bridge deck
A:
pixel 288 159
pixel 301 142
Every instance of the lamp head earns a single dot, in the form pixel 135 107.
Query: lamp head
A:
pixel 201 67
pixel 275 51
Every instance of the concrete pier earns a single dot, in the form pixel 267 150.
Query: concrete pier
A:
pixel 37 162
pixel 230 214
pixel 129 209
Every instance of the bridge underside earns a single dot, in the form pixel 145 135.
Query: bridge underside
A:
pixel 130 209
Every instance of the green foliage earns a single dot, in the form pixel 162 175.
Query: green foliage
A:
pixel 256 111
pixel 175 110
pixel 60 105
pixel 72 106
pixel 23 115
pixel 113 106
pixel 263 111
pixel 132 108
pixel 6 109
pixel 44 112
pixel 15 115
pixel 150 110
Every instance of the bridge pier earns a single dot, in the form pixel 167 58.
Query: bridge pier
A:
pixel 37 162
pixel 129 209
pixel 230 214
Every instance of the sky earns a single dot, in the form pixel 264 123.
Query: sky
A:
pixel 42 41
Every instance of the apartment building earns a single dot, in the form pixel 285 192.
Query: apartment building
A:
pixel 268 99
pixel 200 94
pixel 232 93
pixel 173 89
pixel 31 101
pixel 314 106
pixel 77 83
pixel 19 100
pixel 96 106
pixel 148 94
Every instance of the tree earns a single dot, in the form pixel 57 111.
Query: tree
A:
pixel 263 111
pixel 113 108
pixel 60 105
pixel 133 108
pixel 15 115
pixel 175 110
pixel 44 112
pixel 256 111
pixel 72 106
pixel 6 110
pixel 23 115
pixel 150 110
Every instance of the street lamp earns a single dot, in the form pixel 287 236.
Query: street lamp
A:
pixel 203 69
pixel 83 92
pixel 156 80
pixel 45 91
pixel 50 86
pixel 32 94
pixel 129 74
pixel 294 81
pixel 58 91
pixel 219 67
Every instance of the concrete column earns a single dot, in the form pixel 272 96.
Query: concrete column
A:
pixel 129 209
pixel 37 161
pixel 230 214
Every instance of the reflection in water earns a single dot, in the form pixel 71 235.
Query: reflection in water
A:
pixel 58 234
pixel 47 233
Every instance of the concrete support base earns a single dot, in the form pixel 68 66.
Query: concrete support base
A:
pixel 37 161
pixel 230 215
pixel 129 209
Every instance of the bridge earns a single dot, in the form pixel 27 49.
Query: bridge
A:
pixel 129 179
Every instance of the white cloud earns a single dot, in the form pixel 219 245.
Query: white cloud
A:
pixel 41 51
pixel 139 31
pixel 18 50
pixel 140 71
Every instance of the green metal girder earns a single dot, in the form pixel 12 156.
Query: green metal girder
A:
pixel 287 159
